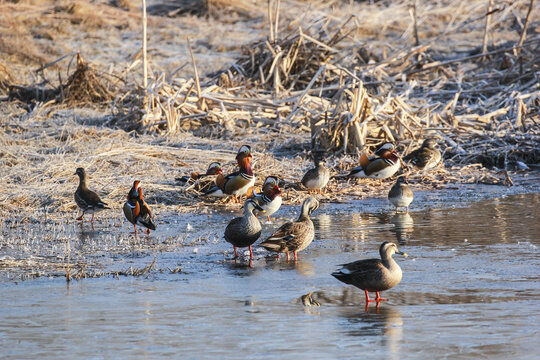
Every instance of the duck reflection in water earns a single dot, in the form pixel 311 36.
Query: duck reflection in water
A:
pixel 403 227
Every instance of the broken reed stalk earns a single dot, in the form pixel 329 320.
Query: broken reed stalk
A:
pixel 525 26
pixel 412 12
pixel 145 56
pixel 486 27
pixel 68 272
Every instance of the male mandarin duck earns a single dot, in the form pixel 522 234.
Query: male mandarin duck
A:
pixel 384 165
pixel 426 157
pixel 373 275
pixel 238 182
pixel 213 169
pixel 245 230
pixel 401 194
pixel 294 236
pixel 87 200
pixel 270 198
pixel 137 210
pixel 316 178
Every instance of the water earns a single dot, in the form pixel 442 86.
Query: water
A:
pixel 470 290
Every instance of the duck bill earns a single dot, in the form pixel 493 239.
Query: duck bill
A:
pixel 402 253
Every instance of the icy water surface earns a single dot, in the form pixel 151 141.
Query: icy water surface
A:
pixel 470 289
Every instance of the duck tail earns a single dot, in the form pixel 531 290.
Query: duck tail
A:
pixel 341 276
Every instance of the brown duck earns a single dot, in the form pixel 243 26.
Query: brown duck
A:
pixel 87 200
pixel 137 210
pixel 373 275
pixel 294 236
pixel 238 182
pixel 426 157
pixel 245 230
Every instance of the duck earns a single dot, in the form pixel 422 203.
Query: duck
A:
pixel 213 169
pixel 373 275
pixel 316 179
pixel 245 230
pixel 270 198
pixel 384 165
pixel 401 194
pixel 87 200
pixel 427 156
pixel 137 210
pixel 294 236
pixel 237 183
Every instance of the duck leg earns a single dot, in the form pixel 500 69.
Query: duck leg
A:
pixel 235 253
pixel 92 221
pixel 250 253
pixel 380 182
pixel 288 258
pixel 295 257
pixel 80 217
pixel 147 231
pixel 268 217
pixel 367 297
pixel 135 227
pixel 379 298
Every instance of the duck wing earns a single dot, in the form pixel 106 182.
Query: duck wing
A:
pixel 351 272
pixel 287 238
pixel 131 210
pixel 145 216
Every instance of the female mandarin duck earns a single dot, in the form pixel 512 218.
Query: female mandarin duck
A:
pixel 426 157
pixel 87 200
pixel 213 169
pixel 238 182
pixel 373 275
pixel 384 166
pixel 401 194
pixel 270 199
pixel 294 236
pixel 137 210
pixel 245 230
pixel 316 178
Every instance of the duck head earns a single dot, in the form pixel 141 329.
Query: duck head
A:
pixel 388 249
pixel 309 206
pixel 214 169
pixel 272 180
pixel 136 191
pixel 244 158
pixel 430 143
pixel 80 171
pixel 402 180
pixel 384 148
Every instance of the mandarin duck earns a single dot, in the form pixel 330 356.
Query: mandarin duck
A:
pixel 270 198
pixel 245 230
pixel 401 194
pixel 373 275
pixel 87 200
pixel 294 236
pixel 213 169
pixel 426 157
pixel 316 179
pixel 137 210
pixel 385 164
pixel 238 182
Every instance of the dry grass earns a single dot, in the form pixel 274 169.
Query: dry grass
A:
pixel 346 82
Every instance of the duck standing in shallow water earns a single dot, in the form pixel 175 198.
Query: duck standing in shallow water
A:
pixel 426 157
pixel 401 194
pixel 238 182
pixel 137 210
pixel 87 200
pixel 245 230
pixel 373 275
pixel 384 165
pixel 294 236
pixel 316 179
pixel 270 198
